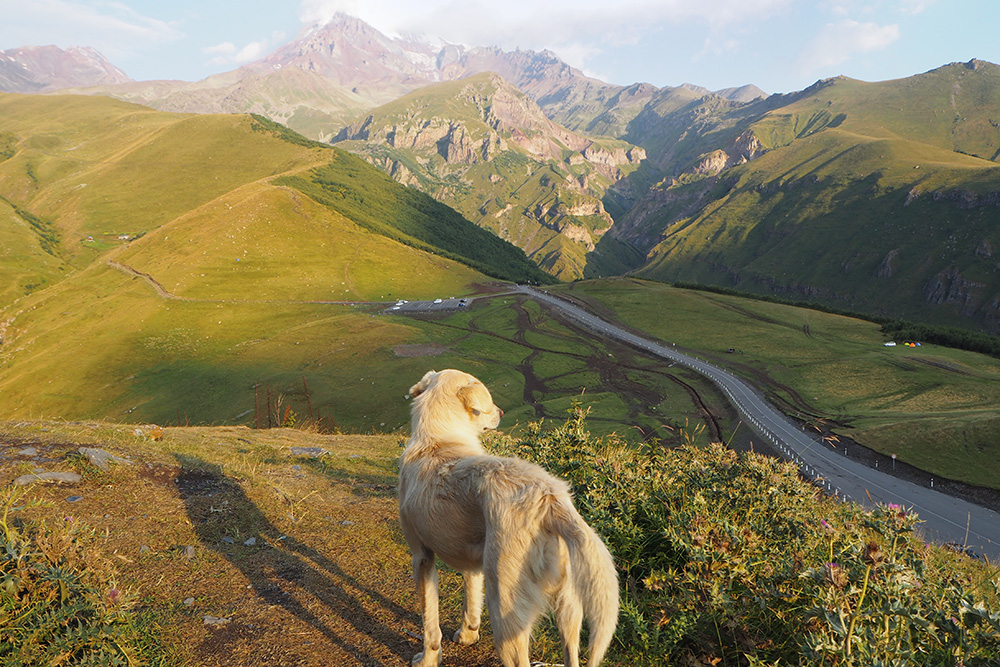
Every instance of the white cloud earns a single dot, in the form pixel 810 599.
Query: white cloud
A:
pixel 227 53
pixel 838 42
pixel 578 30
pixel 111 27
pixel 914 6
pixel 225 49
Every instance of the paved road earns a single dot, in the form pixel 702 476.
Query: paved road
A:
pixel 946 519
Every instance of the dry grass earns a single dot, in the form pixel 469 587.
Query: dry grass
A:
pixel 327 581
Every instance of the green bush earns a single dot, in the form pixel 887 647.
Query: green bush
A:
pixel 730 559
pixel 59 603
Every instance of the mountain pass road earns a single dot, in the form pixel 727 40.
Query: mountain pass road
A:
pixel 945 519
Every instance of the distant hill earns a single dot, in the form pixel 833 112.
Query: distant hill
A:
pixel 32 69
pixel 487 149
pixel 145 254
pixel 880 197
pixel 332 73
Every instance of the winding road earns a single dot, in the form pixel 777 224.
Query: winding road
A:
pixel 945 518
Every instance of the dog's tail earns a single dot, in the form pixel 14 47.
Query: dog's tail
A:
pixel 593 577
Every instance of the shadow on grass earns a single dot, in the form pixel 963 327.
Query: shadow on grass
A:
pixel 289 574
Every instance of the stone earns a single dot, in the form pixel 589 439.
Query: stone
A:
pixel 312 452
pixel 250 542
pixel 228 540
pixel 215 621
pixel 56 477
pixel 101 458
pixel 189 601
pixel 28 451
pixel 189 552
pixel 74 499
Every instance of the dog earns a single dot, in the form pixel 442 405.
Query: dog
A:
pixel 502 522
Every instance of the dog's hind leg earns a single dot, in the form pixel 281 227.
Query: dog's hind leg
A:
pixel 473 611
pixel 515 601
pixel 426 576
pixel 569 619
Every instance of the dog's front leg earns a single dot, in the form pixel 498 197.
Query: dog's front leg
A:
pixel 473 612
pixel 426 576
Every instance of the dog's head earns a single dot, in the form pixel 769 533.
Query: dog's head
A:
pixel 452 403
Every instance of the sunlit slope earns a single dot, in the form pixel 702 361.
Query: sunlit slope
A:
pixel 25 266
pixel 167 273
pixel 262 242
pixel 877 197
pixel 104 343
pixel 95 167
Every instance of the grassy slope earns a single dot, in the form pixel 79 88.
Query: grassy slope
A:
pixel 243 257
pixel 934 407
pixel 852 205
pixel 709 565
pixel 24 264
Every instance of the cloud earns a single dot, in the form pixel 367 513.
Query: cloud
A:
pixel 111 27
pixel 580 31
pixel 914 6
pixel 226 53
pixel 838 42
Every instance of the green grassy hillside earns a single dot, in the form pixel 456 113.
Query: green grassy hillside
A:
pixel 934 407
pixel 155 269
pixel 875 197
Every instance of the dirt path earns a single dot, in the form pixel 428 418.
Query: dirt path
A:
pixel 163 293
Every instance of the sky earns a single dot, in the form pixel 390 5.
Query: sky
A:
pixel 778 45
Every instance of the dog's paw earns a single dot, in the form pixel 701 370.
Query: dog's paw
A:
pixel 466 636
pixel 426 659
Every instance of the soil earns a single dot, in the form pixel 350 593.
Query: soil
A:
pixel 331 587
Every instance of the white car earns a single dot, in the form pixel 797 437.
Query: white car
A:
pixel 437 300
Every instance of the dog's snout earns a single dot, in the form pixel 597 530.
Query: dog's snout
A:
pixel 501 411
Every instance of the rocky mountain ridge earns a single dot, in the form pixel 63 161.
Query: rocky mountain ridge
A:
pixel 488 149
pixel 33 69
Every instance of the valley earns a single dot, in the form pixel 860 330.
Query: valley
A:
pixel 211 297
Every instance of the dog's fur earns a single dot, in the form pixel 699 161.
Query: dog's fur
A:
pixel 502 521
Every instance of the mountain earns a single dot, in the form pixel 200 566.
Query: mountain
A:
pixel 150 260
pixel 31 69
pixel 877 197
pixel 487 149
pixel 334 72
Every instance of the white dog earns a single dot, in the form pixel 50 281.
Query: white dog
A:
pixel 500 519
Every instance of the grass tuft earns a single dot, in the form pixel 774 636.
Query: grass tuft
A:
pixel 60 603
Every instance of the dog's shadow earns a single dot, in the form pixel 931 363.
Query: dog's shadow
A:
pixel 286 573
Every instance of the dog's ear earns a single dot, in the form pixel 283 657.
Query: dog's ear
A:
pixel 468 395
pixel 424 383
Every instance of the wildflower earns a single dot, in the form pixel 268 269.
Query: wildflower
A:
pixel 113 595
pixel 826 526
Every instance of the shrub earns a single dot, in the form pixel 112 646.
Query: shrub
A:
pixel 735 560
pixel 59 603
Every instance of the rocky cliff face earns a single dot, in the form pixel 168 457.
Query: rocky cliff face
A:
pixel 487 149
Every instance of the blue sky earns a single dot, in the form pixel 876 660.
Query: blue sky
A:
pixel 779 45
